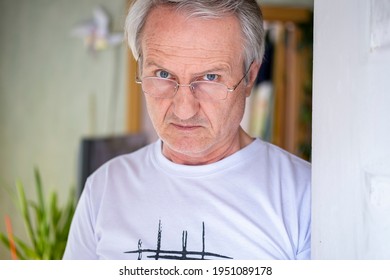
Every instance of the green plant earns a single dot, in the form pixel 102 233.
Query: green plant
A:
pixel 47 224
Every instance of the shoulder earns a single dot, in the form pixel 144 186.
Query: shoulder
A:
pixel 280 157
pixel 117 169
pixel 125 161
pixel 290 173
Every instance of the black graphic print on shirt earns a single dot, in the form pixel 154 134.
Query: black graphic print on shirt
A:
pixel 159 253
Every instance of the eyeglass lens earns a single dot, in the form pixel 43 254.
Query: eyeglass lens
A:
pixel 164 88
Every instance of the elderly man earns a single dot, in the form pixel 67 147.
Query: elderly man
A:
pixel 205 189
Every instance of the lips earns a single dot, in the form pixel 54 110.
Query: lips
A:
pixel 190 124
pixel 185 127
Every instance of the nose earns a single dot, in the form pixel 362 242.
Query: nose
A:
pixel 184 102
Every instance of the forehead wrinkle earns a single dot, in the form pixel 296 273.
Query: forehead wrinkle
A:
pixel 181 51
pixel 172 28
pixel 165 43
pixel 212 63
pixel 175 55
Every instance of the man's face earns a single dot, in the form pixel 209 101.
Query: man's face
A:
pixel 173 46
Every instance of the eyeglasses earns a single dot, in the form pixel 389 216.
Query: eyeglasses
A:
pixel 202 90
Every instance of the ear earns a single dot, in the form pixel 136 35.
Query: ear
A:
pixel 252 75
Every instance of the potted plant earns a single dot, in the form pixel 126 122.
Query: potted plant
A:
pixel 47 224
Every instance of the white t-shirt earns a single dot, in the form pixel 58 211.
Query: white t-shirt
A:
pixel 254 204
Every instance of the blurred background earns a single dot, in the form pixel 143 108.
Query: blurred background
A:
pixel 59 85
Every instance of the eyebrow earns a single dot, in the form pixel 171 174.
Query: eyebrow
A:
pixel 216 69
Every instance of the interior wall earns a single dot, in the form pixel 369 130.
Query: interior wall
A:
pixel 351 130
pixel 52 93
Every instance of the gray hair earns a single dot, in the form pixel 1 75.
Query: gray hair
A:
pixel 247 12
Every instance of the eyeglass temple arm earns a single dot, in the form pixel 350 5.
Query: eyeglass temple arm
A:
pixel 239 82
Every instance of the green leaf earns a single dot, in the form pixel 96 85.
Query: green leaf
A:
pixel 7 244
pixel 24 251
pixel 39 188
pixel 25 212
pixel 42 219
pixel 47 225
pixel 5 240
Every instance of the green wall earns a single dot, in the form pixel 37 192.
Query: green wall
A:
pixel 53 93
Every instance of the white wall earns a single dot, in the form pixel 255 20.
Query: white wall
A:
pixel 351 130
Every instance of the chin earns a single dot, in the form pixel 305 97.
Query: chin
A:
pixel 189 146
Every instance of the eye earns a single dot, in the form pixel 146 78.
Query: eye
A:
pixel 163 74
pixel 211 77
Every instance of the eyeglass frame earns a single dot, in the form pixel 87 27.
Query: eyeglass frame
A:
pixel 228 90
